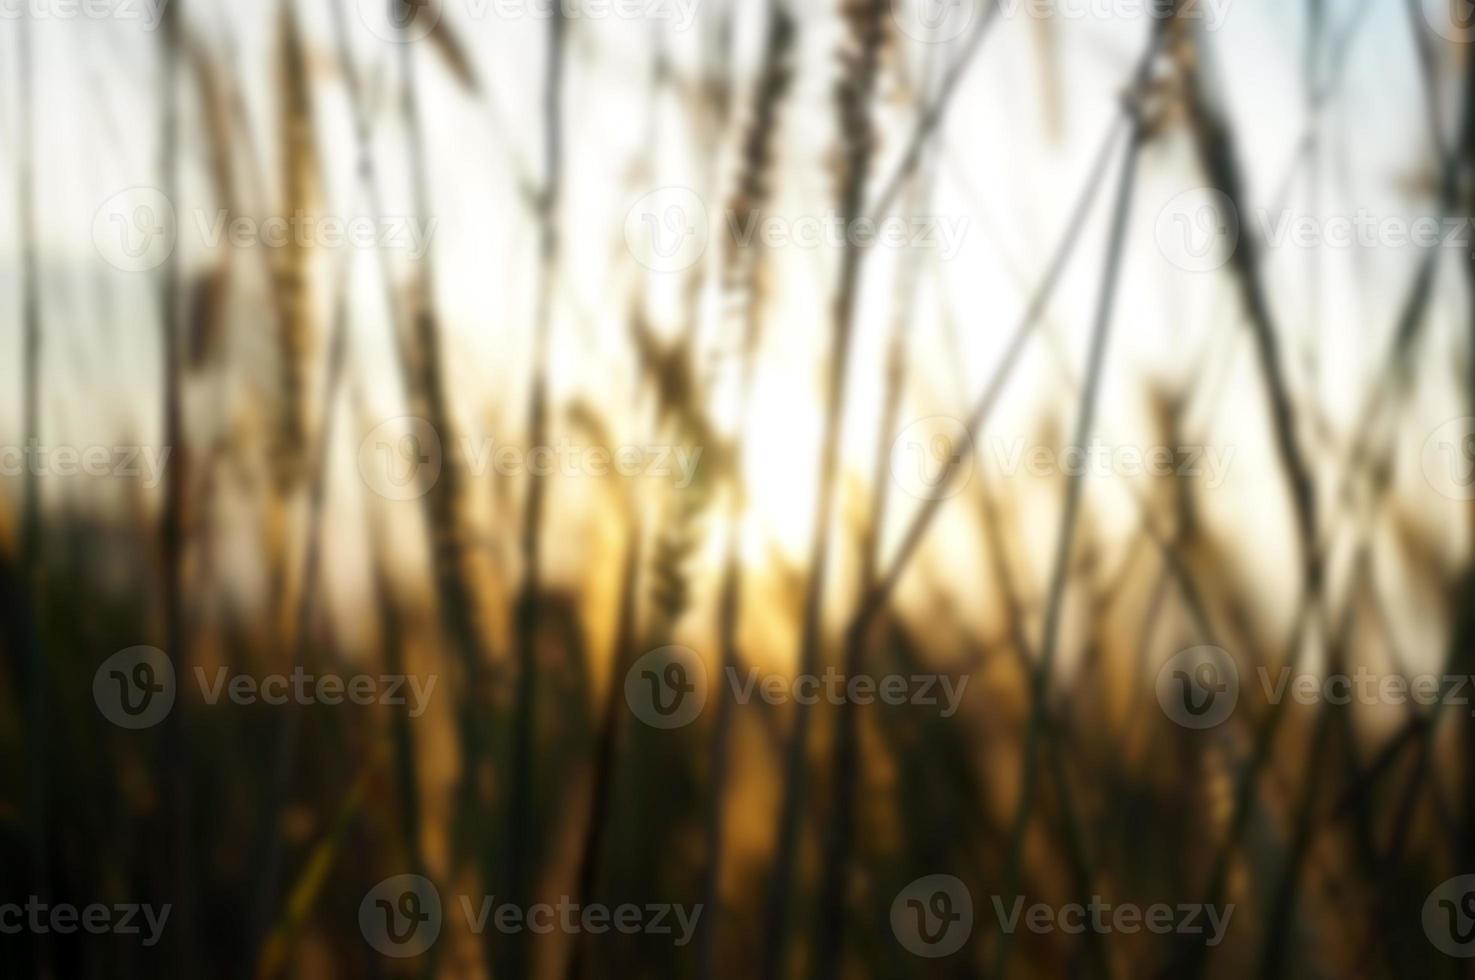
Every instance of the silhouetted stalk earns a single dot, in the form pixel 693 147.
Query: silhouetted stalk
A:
pixel 867 22
pixel 1329 87
pixel 172 530
pixel 27 602
pixel 845 762
pixel 1418 780
pixel 1331 724
pixel 300 622
pixel 1464 157
pixel 1424 49
pixel 1393 383
pixel 1065 541
pixel 601 794
pixel 402 735
pixel 289 272
pixel 933 116
pixel 1218 155
pixel 366 173
pixel 599 824
pixel 524 722
pixel 729 616
pixel 295 456
pixel 1334 722
pixel 1316 24
pixel 1219 158
pixel 916 530
pixel 1418 732
pixel 1082 875
pixel 1370 856
pixel 754 190
pixel 1409 329
pixel 418 340
pixel 427 390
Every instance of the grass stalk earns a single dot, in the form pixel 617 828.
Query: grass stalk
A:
pixel 27 600
pixel 754 190
pixel 1075 487
pixel 172 524
pixel 845 763
pixel 602 794
pixel 525 616
pixel 867 21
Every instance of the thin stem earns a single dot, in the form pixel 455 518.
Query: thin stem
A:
pixel 932 117
pixel 301 622
pixel 605 764
pixel 172 530
pixel 754 190
pixel 519 803
pixel 983 408
pixel 855 94
pixel 418 341
pixel 845 757
pixel 1085 423
pixel 27 602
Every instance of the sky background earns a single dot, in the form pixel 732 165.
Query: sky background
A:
pixel 1004 175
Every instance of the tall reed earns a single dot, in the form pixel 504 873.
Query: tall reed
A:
pixel 298 456
pixel 525 615
pixel 845 763
pixel 1084 427
pixel 741 280
pixel 866 24
pixel 28 596
pixel 172 522
pixel 419 339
